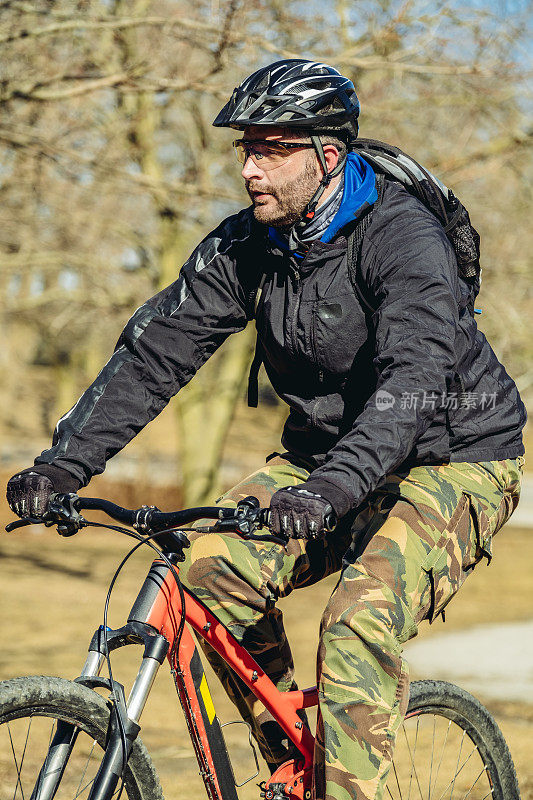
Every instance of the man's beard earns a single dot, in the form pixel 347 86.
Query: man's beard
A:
pixel 292 198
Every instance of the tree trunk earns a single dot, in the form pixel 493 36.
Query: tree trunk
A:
pixel 205 409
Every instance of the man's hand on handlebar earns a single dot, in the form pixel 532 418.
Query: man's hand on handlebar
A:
pixel 295 512
pixel 29 491
pixel 298 513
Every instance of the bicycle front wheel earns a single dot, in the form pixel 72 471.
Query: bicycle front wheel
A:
pixel 450 748
pixel 32 710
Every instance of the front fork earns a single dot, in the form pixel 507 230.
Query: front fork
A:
pixel 125 715
pixel 63 742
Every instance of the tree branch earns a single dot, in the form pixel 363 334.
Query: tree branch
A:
pixel 108 24
pixel 495 148
pixel 32 142
pixel 35 93
pixel 422 69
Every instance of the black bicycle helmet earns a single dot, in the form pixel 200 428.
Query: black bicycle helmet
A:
pixel 296 93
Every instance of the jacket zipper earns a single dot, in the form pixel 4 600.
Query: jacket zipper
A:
pixel 296 284
pixel 320 372
pixel 297 298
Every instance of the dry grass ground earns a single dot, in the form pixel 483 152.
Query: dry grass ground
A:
pixel 52 592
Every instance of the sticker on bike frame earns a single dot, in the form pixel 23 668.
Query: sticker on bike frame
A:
pixel 208 700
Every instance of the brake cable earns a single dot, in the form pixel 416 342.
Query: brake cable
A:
pixel 114 694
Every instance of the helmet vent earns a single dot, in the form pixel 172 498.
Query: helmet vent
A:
pixel 295 92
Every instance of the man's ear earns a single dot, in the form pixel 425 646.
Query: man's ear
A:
pixel 331 154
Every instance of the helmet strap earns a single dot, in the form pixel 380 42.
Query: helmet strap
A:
pixel 310 209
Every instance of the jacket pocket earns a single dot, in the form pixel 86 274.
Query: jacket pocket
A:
pixel 338 330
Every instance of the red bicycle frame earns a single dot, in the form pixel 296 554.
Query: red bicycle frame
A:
pixel 159 605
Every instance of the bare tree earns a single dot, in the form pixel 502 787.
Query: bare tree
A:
pixel 111 173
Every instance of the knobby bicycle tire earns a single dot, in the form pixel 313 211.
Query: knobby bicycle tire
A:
pixel 28 708
pixel 450 747
pixel 415 774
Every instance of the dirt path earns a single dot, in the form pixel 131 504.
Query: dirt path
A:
pixel 52 591
pixel 495 661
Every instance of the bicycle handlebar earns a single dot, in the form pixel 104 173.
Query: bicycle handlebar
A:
pixel 63 511
pixel 149 519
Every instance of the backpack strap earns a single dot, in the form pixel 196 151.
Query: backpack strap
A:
pixel 355 243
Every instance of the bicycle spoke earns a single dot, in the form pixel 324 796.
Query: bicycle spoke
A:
pixel 458 769
pixel 427 769
pixel 397 782
pixel 52 740
pixel 413 769
pixel 41 774
pixel 442 752
pixel 414 754
pixel 117 791
pixel 445 752
pixel 78 791
pixel 478 777
pixel 84 788
pixel 411 773
pixel 25 748
pixel 19 781
pixel 431 763
pixel 474 750
pixel 458 759
pixel 22 745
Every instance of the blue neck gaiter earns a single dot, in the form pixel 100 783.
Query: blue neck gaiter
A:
pixel 355 192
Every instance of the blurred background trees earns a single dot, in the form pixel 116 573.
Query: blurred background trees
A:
pixel 110 173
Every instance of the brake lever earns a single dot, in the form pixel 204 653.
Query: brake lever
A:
pixel 21 523
pixel 245 520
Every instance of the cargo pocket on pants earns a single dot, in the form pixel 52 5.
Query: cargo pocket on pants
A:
pixel 462 545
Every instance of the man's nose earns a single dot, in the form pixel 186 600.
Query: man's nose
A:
pixel 251 170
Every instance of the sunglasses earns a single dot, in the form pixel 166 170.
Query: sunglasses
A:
pixel 265 154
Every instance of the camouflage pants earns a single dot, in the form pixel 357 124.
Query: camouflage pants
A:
pixel 403 557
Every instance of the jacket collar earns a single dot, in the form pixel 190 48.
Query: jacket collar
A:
pixel 359 193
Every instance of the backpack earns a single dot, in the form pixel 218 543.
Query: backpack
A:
pixel 392 163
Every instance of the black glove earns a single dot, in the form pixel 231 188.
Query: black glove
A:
pixel 297 513
pixel 28 492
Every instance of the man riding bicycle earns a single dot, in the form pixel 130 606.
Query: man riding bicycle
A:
pixel 419 484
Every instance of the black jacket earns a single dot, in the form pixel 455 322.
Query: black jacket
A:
pixel 413 383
